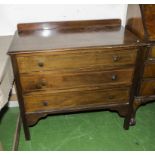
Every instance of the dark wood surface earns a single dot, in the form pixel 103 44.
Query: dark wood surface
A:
pixel 82 59
pixel 82 25
pixel 152 52
pixel 149 71
pixel 20 97
pixel 57 39
pixel 148 13
pixel 141 21
pixel 75 67
pixel 34 117
pixel 147 88
pixel 65 100
pixel 67 80
pixel 85 65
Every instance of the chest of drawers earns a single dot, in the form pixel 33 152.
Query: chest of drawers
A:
pixel 141 21
pixel 74 66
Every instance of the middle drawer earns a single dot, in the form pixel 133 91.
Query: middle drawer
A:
pixel 67 80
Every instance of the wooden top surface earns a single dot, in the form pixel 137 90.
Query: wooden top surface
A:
pixel 34 37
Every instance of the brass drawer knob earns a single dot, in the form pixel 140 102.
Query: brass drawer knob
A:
pixel 43 82
pixel 38 86
pixel 41 64
pixel 114 77
pixel 116 58
pixel 111 97
pixel 45 103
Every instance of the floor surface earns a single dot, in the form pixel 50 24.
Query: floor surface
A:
pixel 84 131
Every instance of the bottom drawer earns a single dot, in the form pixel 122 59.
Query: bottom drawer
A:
pixel 147 88
pixel 75 99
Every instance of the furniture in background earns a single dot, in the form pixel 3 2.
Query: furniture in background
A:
pixel 66 67
pixel 141 21
pixel 6 84
pixel 6 73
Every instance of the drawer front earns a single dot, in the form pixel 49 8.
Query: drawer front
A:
pixel 147 88
pixel 75 99
pixel 75 60
pixel 60 80
pixel 149 70
pixel 152 52
pixel 149 14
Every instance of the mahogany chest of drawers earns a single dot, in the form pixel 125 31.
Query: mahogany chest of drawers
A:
pixel 141 21
pixel 64 67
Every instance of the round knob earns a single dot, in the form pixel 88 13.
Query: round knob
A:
pixel 116 58
pixel 111 97
pixel 45 103
pixel 38 86
pixel 40 64
pixel 114 77
pixel 43 82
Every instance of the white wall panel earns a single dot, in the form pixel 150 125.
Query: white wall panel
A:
pixel 10 15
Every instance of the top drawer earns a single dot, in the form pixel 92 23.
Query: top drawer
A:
pixel 75 60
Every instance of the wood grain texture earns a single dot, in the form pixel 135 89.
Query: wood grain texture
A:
pixel 33 118
pixel 40 40
pixel 76 60
pixel 152 52
pixel 147 88
pixel 141 21
pixel 83 24
pixel 71 67
pixel 67 80
pixel 66 100
pixel 20 96
pixel 148 12
pixel 149 70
